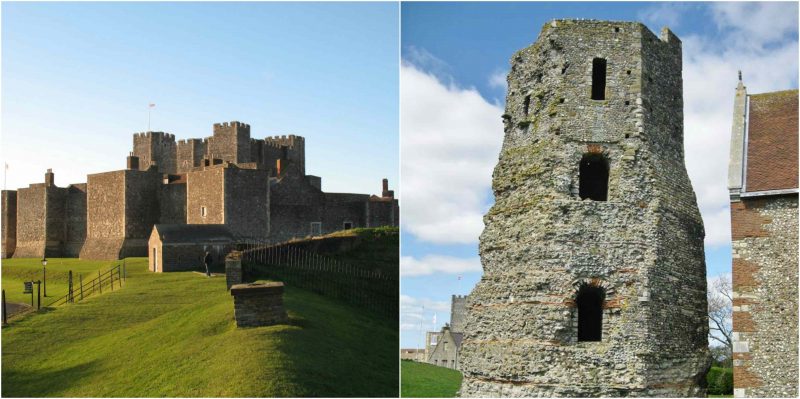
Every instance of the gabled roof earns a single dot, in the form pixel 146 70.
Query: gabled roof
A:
pixel 193 233
pixel 772 132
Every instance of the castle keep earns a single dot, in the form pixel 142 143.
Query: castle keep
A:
pixel 594 277
pixel 257 188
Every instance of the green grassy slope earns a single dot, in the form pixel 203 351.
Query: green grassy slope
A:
pixel 378 249
pixel 422 380
pixel 173 334
pixel 16 271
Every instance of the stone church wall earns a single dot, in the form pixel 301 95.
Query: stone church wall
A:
pixel 765 273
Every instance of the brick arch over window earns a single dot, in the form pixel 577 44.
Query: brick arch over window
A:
pixel 589 301
pixel 593 182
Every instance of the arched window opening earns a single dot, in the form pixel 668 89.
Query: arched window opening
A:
pixel 594 178
pixel 590 313
pixel 599 79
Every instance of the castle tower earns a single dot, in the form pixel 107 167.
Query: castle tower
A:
pixel 594 277
pixel 457 313
pixel 286 155
pixel 230 142
pixel 156 148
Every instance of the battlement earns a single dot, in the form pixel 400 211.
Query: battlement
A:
pixel 231 124
pixel 459 297
pixel 592 27
pixel 284 141
pixel 191 141
pixel 154 135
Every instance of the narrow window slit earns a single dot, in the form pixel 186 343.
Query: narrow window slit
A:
pixel 526 104
pixel 599 79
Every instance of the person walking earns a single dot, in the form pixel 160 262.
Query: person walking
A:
pixel 207 260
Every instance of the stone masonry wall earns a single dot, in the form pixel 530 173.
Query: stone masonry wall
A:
pixel 141 210
pixel 9 221
pixel 105 215
pixel 765 296
pixel 458 313
pixel 75 216
pixel 542 243
pixel 172 203
pixel 156 148
pixel 31 211
pixel 230 142
pixel 205 188
pixel 258 304
pixel 247 202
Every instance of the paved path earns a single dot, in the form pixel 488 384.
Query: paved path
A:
pixel 14 307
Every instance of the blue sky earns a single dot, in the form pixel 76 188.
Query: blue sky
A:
pixel 77 78
pixel 455 58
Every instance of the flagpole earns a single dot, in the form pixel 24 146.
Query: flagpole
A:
pixel 149 109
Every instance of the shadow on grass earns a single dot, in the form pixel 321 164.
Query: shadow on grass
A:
pixel 338 351
pixel 41 383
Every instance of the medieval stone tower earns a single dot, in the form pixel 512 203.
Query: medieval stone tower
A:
pixel 594 276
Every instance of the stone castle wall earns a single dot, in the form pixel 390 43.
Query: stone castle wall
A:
pixel 230 142
pixel 205 189
pixel 156 148
pixel 113 214
pixel 543 244
pixel 765 296
pixel 75 215
pixel 172 203
pixel 9 222
pixel 247 202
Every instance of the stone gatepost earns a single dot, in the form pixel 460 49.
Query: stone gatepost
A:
pixel 258 304
pixel 233 268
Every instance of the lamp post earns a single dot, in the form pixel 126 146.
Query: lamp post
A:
pixel 44 274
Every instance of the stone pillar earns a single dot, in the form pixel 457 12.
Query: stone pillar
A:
pixel 258 304
pixel 233 268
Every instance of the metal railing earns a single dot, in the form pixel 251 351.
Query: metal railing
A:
pixel 373 290
pixel 108 280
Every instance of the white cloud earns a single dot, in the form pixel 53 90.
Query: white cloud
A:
pixel 498 80
pixel 410 266
pixel 418 314
pixel 663 14
pixel 756 24
pixel 450 141
pixel 709 79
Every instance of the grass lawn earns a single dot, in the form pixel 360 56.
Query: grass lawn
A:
pixel 17 271
pixel 173 334
pixel 422 380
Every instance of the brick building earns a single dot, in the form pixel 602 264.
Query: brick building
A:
pixel 763 186
pixel 257 188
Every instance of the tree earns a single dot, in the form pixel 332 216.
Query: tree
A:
pixel 720 313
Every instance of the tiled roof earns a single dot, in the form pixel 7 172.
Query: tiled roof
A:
pixel 772 141
pixel 193 233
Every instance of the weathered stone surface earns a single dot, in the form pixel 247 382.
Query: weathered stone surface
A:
pixel 765 296
pixel 258 304
pixel 233 269
pixel 642 247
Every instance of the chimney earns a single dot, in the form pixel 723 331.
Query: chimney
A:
pixel 386 193
pixel 49 178
pixel 133 162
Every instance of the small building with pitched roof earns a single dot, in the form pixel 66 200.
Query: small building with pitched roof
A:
pixel 182 247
